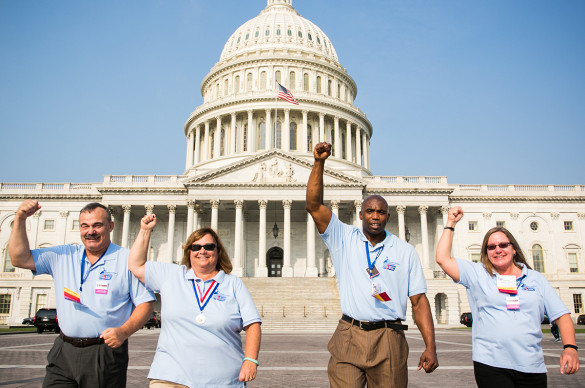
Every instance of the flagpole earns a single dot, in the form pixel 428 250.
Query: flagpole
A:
pixel 273 137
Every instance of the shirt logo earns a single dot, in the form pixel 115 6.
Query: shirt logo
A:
pixel 528 288
pixel 389 265
pixel 219 296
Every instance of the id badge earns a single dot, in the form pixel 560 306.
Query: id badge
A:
pixel 507 284
pixel 373 273
pixel 513 302
pixel 101 287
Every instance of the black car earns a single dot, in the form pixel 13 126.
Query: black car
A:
pixel 28 321
pixel 466 319
pixel 581 319
pixel 153 321
pixel 46 319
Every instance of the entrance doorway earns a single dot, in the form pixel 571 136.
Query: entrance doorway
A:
pixel 274 258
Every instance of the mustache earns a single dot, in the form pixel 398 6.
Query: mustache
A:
pixel 92 236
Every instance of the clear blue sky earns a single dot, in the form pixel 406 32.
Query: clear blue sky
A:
pixel 480 92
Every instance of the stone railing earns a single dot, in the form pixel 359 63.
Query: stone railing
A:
pixel 522 188
pixel 52 188
pixel 409 180
pixel 141 180
pixel 439 275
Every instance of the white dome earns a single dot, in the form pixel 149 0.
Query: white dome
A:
pixel 278 25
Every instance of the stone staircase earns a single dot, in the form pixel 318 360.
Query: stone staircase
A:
pixel 296 304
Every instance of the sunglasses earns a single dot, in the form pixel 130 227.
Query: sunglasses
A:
pixel 207 247
pixel 505 245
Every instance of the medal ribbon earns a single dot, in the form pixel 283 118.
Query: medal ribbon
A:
pixel 207 296
pixel 370 264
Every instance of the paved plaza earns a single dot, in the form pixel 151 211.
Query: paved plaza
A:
pixel 286 359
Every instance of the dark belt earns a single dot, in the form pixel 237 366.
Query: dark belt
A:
pixel 367 325
pixel 81 342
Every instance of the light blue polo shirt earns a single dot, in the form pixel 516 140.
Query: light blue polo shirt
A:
pixel 401 274
pixel 199 355
pixel 509 338
pixel 98 310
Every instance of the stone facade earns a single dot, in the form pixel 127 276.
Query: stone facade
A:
pixel 249 183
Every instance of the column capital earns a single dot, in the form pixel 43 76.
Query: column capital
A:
pixel 214 203
pixel 514 215
pixel 334 204
pixel 149 208
pixel 191 204
pixel 305 111
pixel 358 203
pixel 262 203
pixel 268 111
pixel 400 209
pixel 113 211
pixel 172 208
pixel 554 215
pixel 444 209
pixel 422 209
pixel 233 115
pixel 581 215
pixel 239 203
pixel 487 215
pixel 126 208
pixel 321 115
pixel 287 203
pixel 37 214
pixel 64 213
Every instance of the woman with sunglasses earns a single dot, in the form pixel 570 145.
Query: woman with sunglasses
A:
pixel 203 311
pixel 508 301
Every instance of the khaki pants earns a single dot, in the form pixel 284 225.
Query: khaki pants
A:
pixel 377 357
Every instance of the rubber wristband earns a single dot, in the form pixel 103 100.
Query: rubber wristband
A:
pixel 252 360
pixel 570 346
pixel 449 227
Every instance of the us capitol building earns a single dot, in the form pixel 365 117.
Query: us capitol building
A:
pixel 248 159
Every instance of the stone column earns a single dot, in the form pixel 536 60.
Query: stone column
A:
pixel 425 235
pixel 197 144
pixel 205 148
pixel 237 271
pixel 232 148
pixel 358 207
pixel 321 126
pixel 190 141
pixel 358 147
pixel 286 131
pixel 34 227
pixel 171 234
pixel 114 220
pixel 262 270
pixel 125 225
pixel 270 129
pixel 348 153
pixel 149 209
pixel 335 207
pixel 401 209
pixel 311 270
pixel 445 213
pixel 63 214
pixel 304 135
pixel 366 152
pixel 195 225
pixel 214 214
pixel 217 140
pixel 190 207
pixel 287 271
pixel 337 147
pixel 251 133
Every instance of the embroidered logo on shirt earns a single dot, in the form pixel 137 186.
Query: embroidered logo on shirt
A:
pixel 219 296
pixel 389 265
pixel 528 288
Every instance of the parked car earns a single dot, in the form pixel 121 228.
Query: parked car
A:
pixel 28 321
pixel 153 321
pixel 46 319
pixel 466 319
pixel 581 319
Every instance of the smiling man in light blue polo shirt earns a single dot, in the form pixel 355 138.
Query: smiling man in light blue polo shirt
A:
pixel 377 273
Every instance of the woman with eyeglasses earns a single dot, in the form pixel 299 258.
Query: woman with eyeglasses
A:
pixel 204 308
pixel 508 301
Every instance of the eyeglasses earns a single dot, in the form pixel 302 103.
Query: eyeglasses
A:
pixel 207 247
pixel 505 245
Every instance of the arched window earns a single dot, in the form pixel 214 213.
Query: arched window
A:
pixel 237 84
pixel 306 82
pixel 261 138
pixel 343 144
pixel 225 87
pixel 278 135
pixel 249 82
pixel 277 76
pixel 292 80
pixel 211 143
pixel 338 90
pixel 278 30
pixel 538 258
pixel 309 138
pixel 318 84
pixel 257 34
pixel 332 141
pixel 222 143
pixel 329 88
pixel 293 136
pixel 263 80
pixel 245 138
pixel 7 267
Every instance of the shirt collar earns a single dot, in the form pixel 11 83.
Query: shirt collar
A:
pixel 388 241
pixel 218 277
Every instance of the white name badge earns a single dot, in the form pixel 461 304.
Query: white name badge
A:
pixel 376 289
pixel 513 302
pixel 101 287
pixel 506 283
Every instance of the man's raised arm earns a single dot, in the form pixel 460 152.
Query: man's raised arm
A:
pixel 314 201
pixel 18 246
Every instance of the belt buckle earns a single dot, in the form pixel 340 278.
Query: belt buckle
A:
pixel 364 325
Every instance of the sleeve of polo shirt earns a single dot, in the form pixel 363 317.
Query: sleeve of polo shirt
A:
pixel 334 235
pixel 138 291
pixel 247 307
pixel 45 258
pixel 466 272
pixel 155 274
pixel 552 302
pixel 416 282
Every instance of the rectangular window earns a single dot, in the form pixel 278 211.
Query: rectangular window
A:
pixel 49 225
pixel 476 257
pixel 578 303
pixel 7 263
pixel 473 226
pixel 500 224
pixel 41 301
pixel 573 264
pixel 5 304
pixel 568 225
pixel 75 225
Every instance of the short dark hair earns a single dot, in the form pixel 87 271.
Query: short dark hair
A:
pixel 94 205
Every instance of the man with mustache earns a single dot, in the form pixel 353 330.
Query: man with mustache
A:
pixel 99 302
pixel 377 273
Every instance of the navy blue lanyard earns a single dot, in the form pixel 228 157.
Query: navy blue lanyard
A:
pixel 370 264
pixel 83 279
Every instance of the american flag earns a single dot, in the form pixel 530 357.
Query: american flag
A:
pixel 286 95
